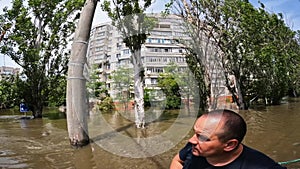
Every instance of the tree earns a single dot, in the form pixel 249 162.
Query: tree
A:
pixel 255 61
pixel 129 18
pixel 97 92
pixel 202 54
pixel 294 70
pixel 275 57
pixel 76 85
pixel 94 86
pixel 9 93
pixel 57 95
pixel 37 41
pixel 122 79
pixel 169 85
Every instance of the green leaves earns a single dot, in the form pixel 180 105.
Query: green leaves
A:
pixel 128 16
pixel 168 84
pixel 254 45
pixel 37 41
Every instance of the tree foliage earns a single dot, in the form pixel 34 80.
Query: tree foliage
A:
pixel 123 85
pixel 96 88
pixel 9 93
pixel 37 41
pixel 253 45
pixel 168 82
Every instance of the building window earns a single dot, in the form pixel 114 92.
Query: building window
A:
pixel 155 69
pixel 167 50
pixel 126 51
pixel 108 66
pixel 97 49
pixel 100 34
pixel 164 26
pixel 153 80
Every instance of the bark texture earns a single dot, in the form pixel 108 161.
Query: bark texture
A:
pixel 77 103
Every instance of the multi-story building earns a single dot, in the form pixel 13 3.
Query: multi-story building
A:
pixel 6 71
pixel 161 48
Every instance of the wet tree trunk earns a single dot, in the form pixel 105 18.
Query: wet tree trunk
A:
pixel 138 90
pixel 240 101
pixel 77 105
pixel 37 110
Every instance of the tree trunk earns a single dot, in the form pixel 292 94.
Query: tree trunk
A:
pixel 37 110
pixel 77 106
pixel 240 99
pixel 235 89
pixel 138 90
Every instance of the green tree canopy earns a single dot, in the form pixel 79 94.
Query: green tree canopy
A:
pixel 37 41
pixel 254 46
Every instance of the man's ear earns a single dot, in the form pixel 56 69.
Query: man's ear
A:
pixel 231 145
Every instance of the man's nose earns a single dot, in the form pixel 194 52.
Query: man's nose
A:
pixel 194 139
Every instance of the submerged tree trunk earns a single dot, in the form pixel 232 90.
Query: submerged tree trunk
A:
pixel 37 110
pixel 138 90
pixel 77 106
pixel 240 100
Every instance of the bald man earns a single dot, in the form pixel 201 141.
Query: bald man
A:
pixel 216 144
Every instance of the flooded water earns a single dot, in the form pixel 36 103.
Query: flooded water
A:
pixel 43 143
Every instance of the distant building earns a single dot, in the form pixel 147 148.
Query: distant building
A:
pixel 6 71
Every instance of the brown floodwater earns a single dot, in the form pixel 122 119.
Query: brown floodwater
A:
pixel 116 143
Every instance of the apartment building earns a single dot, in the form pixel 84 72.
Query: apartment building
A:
pixel 6 71
pixel 109 53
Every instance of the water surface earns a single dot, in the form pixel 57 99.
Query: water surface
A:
pixel 43 143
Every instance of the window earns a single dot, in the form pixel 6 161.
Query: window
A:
pixel 153 80
pixel 100 34
pixel 155 69
pixel 108 66
pixel 164 26
pixel 97 49
pixel 166 50
pixel 126 51
pixel 119 46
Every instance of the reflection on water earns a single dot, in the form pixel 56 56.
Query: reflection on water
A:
pixel 119 136
pixel 275 131
pixel 43 143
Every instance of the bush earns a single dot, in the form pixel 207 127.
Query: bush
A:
pixel 106 105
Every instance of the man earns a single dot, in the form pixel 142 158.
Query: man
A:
pixel 216 144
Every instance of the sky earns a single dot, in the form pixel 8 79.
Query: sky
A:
pixel 289 8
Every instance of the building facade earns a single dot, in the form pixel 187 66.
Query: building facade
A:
pixel 108 52
pixel 6 71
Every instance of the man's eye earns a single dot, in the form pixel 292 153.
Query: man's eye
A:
pixel 203 138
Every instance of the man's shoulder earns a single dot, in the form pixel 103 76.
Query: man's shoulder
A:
pixel 253 153
pixel 258 159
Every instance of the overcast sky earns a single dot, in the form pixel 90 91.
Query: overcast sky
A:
pixel 289 8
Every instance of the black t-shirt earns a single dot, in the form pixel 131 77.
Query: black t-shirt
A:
pixel 249 159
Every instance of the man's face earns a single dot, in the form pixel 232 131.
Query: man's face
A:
pixel 206 142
